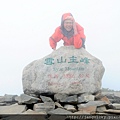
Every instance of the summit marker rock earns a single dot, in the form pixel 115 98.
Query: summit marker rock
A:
pixel 66 70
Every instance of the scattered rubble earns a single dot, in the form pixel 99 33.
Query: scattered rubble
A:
pixel 73 104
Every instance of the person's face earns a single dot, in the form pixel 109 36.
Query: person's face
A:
pixel 68 25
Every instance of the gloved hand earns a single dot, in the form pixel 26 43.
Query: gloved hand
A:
pixel 54 49
pixel 75 28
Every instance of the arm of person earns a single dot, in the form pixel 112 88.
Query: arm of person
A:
pixel 56 37
pixel 79 37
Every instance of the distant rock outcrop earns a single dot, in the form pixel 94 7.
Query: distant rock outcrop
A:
pixel 66 70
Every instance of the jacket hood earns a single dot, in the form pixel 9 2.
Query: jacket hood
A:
pixel 66 16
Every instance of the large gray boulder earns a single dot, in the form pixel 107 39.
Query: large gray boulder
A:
pixel 66 70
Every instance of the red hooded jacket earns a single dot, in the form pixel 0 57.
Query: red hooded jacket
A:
pixel 77 40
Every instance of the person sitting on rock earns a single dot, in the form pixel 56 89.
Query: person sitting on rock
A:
pixel 70 32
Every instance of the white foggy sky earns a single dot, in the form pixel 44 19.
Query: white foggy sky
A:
pixel 26 25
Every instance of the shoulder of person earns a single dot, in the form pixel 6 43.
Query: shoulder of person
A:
pixel 79 27
pixel 58 29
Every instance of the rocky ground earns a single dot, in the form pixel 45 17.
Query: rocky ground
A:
pixel 63 85
pixel 45 105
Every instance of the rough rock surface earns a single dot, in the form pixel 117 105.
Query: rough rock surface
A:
pixel 12 109
pixel 66 70
pixel 43 110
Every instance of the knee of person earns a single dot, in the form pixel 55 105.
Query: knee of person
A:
pixel 83 46
pixel 77 47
